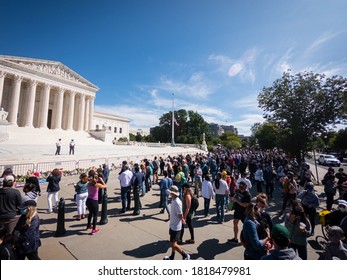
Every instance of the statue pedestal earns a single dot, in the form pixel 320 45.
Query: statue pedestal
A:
pixel 3 125
pixel 4 136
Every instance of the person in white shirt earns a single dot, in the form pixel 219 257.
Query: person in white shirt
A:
pixel 72 147
pixel 207 193
pixel 125 183
pixel 176 221
pixel 58 147
pixel 244 179
pixel 220 188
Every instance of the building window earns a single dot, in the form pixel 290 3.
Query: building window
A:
pixel 115 130
pixel 109 128
pixel 97 127
pixel 120 130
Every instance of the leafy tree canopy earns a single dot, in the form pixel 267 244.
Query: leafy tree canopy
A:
pixel 302 106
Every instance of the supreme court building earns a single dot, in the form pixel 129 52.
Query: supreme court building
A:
pixel 47 94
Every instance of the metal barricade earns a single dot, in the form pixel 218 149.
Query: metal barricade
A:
pixel 20 170
pixel 86 164
pixel 67 167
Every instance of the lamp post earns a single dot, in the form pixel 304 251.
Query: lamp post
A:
pixel 173 122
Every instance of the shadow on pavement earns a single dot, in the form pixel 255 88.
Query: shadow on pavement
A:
pixel 149 250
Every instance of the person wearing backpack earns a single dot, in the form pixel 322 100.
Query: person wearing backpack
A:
pixel 188 212
pixel 180 180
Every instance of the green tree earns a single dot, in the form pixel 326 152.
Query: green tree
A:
pixel 302 106
pixel 190 128
pixel 340 140
pixel 230 140
pixel 267 135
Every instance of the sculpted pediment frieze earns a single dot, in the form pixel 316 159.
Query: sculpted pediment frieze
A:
pixel 51 68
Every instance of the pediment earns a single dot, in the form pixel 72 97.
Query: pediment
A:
pixel 53 68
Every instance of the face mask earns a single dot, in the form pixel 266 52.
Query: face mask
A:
pixel 23 211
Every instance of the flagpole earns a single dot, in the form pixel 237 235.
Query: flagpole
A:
pixel 173 122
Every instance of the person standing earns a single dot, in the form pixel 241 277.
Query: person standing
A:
pixel 165 184
pixel 58 147
pixel 53 189
pixel 72 147
pixel 188 213
pixel 310 202
pixel 220 188
pixel 125 183
pixel 207 193
pixel 299 228
pixel 10 200
pixel 176 221
pixel 256 246
pixel 95 183
pixel 259 179
pixel 329 188
pixel 27 232
pixel 137 182
pixel 81 196
pixel 241 199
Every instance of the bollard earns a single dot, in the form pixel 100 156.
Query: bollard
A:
pixel 61 218
pixel 104 219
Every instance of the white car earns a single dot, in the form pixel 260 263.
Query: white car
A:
pixel 328 160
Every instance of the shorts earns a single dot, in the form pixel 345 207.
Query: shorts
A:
pixel 155 170
pixel 174 235
pixel 239 215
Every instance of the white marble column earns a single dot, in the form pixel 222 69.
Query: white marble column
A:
pixel 58 114
pixel 2 79
pixel 72 95
pixel 44 100
pixel 91 114
pixel 81 112
pixel 29 117
pixel 14 104
pixel 86 118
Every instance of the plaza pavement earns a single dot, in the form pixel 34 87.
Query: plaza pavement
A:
pixel 128 237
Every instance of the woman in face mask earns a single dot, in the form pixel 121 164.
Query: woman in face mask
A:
pixel 26 233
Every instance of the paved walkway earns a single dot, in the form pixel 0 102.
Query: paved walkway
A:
pixel 127 237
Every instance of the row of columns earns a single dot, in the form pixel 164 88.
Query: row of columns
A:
pixel 85 106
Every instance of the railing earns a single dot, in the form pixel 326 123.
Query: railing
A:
pixel 73 167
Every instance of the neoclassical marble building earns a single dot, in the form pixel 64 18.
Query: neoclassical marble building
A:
pixel 47 94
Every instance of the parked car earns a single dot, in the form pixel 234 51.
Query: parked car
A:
pixel 328 160
pixel 338 155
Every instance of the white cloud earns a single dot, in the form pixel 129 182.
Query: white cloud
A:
pixel 247 102
pixel 246 122
pixel 319 42
pixel 140 117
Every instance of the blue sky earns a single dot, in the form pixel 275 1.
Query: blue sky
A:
pixel 215 56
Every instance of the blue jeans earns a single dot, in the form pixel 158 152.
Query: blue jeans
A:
pixel 165 198
pixel 125 196
pixel 220 202
pixel 206 205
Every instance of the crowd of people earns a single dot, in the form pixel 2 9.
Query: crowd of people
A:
pixel 241 181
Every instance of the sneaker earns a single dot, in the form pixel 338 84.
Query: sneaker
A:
pixel 233 241
pixel 187 257
pixel 167 258
pixel 89 227
pixel 94 231
pixel 190 241
pixel 49 211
